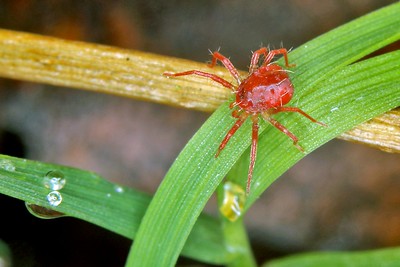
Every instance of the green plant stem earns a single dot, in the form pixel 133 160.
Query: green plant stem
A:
pixel 237 244
pixel 236 239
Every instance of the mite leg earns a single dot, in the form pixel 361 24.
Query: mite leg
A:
pixel 294 109
pixel 228 65
pixel 255 57
pixel 253 151
pixel 284 130
pixel 214 77
pixel 231 132
pixel 275 52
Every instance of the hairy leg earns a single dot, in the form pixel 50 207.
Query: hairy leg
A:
pixel 253 151
pixel 275 52
pixel 294 109
pixel 214 77
pixel 284 130
pixel 231 132
pixel 255 57
pixel 228 65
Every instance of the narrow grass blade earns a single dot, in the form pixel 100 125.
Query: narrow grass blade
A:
pixel 389 257
pixel 89 197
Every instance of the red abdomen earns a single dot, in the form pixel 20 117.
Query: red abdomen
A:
pixel 267 87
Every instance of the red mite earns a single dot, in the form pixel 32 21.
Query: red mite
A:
pixel 265 91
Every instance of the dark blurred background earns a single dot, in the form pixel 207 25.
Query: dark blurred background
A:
pixel 341 197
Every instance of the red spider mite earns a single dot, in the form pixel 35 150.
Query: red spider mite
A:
pixel 265 91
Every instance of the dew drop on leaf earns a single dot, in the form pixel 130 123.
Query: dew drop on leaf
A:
pixel 42 212
pixel 54 180
pixel 118 189
pixel 54 198
pixel 7 165
pixel 233 201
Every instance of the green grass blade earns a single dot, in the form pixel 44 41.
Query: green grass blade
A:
pixel 389 257
pixel 237 240
pixel 185 191
pixel 324 55
pixel 89 197
pixel 196 173
pixel 355 94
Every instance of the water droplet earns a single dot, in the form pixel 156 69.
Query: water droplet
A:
pixel 54 198
pixel 118 189
pixel 233 201
pixel 54 180
pixel 7 165
pixel 42 212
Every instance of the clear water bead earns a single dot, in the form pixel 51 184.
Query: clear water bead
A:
pixel 42 212
pixel 54 180
pixel 118 189
pixel 54 198
pixel 7 165
pixel 233 201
